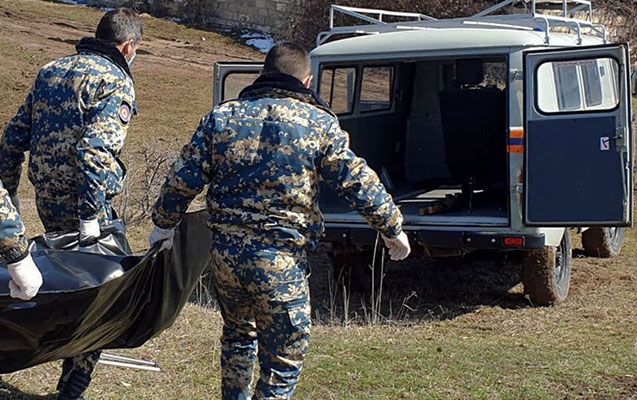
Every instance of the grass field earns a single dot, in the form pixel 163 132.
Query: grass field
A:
pixel 468 340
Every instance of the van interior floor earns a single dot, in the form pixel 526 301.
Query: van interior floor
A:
pixel 441 207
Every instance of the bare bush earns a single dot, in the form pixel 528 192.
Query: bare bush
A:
pixel 315 16
pixel 620 15
pixel 143 183
pixel 204 294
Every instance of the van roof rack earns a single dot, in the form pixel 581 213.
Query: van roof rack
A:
pixel 537 15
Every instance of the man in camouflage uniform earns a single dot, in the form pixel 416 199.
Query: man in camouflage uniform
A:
pixel 14 251
pixel 74 123
pixel 264 156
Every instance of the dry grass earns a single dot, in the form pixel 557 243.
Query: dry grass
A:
pixel 468 338
pixel 583 349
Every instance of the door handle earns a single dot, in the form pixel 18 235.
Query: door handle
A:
pixel 619 138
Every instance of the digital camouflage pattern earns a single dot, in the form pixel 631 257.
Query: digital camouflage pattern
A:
pixel 264 157
pixel 73 123
pixel 13 244
pixel 76 375
pixel 263 294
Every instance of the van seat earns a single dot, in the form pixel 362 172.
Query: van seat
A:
pixel 474 125
pixel 424 148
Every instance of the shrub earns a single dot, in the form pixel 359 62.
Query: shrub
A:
pixel 315 16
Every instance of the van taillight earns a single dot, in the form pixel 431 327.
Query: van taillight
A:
pixel 514 242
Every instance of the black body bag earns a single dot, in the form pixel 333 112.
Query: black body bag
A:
pixel 100 297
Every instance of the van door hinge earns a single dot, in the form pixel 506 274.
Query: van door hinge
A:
pixel 516 75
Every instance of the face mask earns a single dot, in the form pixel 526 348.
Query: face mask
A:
pixel 132 60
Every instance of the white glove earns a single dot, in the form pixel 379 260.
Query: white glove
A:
pixel 26 279
pixel 162 235
pixel 89 230
pixel 398 247
pixel 15 200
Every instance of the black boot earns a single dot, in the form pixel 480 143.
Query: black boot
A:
pixel 67 366
pixel 75 386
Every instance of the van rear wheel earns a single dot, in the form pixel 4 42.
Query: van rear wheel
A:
pixel 603 242
pixel 546 273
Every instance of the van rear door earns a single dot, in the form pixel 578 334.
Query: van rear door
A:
pixel 229 78
pixel 579 139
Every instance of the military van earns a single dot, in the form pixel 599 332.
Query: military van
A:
pixel 509 130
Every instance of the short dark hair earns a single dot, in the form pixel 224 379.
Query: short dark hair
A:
pixel 118 26
pixel 288 58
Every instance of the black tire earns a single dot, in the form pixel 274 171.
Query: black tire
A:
pixel 546 273
pixel 603 242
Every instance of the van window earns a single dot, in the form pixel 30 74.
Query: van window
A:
pixel 336 88
pixel 577 86
pixel 376 89
pixel 235 82
pixel 495 74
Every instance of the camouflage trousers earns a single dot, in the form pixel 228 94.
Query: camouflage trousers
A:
pixel 59 214
pixel 78 371
pixel 264 299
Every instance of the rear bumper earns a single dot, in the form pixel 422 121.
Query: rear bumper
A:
pixel 452 239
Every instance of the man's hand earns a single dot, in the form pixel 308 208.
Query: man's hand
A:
pixel 15 200
pixel 26 279
pixel 398 247
pixel 89 230
pixel 162 235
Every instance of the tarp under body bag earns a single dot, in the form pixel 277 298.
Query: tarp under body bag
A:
pixel 100 296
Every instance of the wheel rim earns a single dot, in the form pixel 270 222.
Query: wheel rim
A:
pixel 615 235
pixel 561 268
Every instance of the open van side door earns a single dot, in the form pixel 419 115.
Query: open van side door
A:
pixel 229 78
pixel 579 138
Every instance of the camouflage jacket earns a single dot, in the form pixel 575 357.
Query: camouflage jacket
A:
pixel 13 244
pixel 264 157
pixel 73 123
